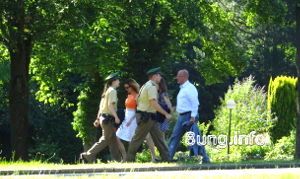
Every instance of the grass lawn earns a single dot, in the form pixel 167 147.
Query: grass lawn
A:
pixel 186 175
pixel 21 165
pixel 37 165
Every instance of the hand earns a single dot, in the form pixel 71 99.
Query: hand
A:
pixel 96 123
pixel 117 120
pixel 168 116
pixel 192 120
pixel 128 123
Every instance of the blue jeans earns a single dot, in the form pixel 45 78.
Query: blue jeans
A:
pixel 177 134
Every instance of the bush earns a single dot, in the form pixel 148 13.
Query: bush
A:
pixel 250 114
pixel 45 150
pixel 86 112
pixel 52 133
pixel 144 156
pixel 184 157
pixel 282 103
pixel 255 152
pixel 284 149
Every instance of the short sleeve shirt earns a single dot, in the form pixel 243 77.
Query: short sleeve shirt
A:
pixel 148 92
pixel 130 102
pixel 109 98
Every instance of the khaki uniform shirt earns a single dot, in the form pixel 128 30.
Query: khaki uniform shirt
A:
pixel 148 92
pixel 109 98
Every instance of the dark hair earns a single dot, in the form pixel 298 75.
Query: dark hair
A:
pixel 133 84
pixel 107 85
pixel 162 86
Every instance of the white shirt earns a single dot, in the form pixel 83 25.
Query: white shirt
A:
pixel 187 99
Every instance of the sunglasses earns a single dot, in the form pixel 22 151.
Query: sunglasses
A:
pixel 127 87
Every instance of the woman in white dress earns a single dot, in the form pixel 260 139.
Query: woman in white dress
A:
pixel 127 129
pixel 126 132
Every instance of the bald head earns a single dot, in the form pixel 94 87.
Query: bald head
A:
pixel 182 76
pixel 184 72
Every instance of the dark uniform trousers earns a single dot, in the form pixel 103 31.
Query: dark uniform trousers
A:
pixel 146 125
pixel 108 138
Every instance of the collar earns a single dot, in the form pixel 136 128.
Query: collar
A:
pixel 184 84
pixel 153 82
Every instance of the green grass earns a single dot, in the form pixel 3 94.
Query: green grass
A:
pixel 38 165
pixel 21 165
pixel 147 176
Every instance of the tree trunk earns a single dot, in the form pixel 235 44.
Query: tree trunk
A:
pixel 20 58
pixel 297 155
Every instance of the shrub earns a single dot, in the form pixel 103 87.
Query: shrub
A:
pixel 255 152
pixel 282 96
pixel 45 150
pixel 284 149
pixel 86 113
pixel 144 156
pixel 250 114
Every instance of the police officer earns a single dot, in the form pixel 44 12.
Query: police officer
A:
pixel 146 119
pixel 106 118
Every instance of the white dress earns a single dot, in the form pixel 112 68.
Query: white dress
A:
pixel 124 132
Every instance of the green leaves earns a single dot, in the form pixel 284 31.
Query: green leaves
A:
pixel 251 113
pixel 4 65
pixel 282 102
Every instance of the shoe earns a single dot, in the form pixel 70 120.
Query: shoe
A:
pixel 173 161
pixel 205 161
pixel 156 161
pixel 82 159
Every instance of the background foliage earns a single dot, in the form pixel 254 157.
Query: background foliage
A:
pixel 77 43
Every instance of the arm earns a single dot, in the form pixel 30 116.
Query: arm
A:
pixel 97 122
pixel 152 97
pixel 168 102
pixel 130 120
pixel 157 107
pixel 114 113
pixel 193 98
pixel 112 99
pixel 98 114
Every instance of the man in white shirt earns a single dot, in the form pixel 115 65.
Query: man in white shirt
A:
pixel 187 108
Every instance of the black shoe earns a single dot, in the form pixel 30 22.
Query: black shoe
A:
pixel 156 161
pixel 205 161
pixel 173 161
pixel 82 159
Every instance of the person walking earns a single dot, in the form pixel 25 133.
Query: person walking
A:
pixel 187 108
pixel 106 118
pixel 146 118
pixel 128 126
pixel 165 103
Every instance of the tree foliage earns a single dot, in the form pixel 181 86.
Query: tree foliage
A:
pixel 251 112
pixel 282 102
pixel 72 45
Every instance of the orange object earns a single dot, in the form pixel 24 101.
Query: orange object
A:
pixel 130 102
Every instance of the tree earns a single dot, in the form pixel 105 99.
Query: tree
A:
pixel 86 52
pixel 22 24
pixel 282 103
pixel 298 84
pixel 274 12
pixel 134 36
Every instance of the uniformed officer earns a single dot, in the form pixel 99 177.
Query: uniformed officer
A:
pixel 105 118
pixel 146 119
